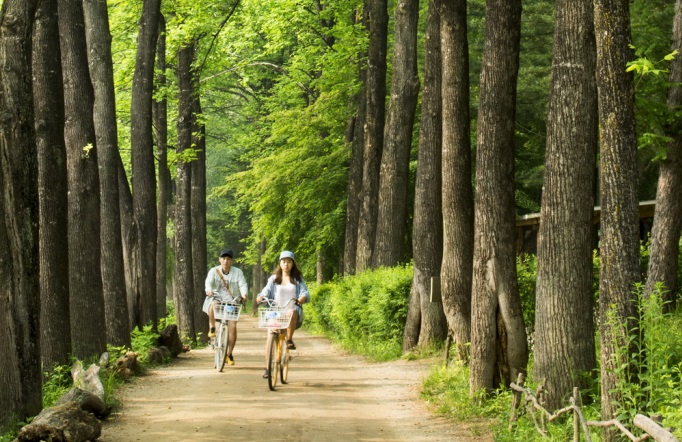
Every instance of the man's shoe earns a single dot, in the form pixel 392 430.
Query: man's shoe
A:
pixel 211 332
pixel 230 360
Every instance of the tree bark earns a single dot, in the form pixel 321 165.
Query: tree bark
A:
pixel 665 233
pixel 619 244
pixel 48 99
pixel 198 203
pixel 427 226
pixel 144 178
pixel 85 275
pixel 104 116
pixel 130 244
pixel 496 318
pixel 160 114
pixel 20 307
pixel 375 87
pixel 564 326
pixel 395 158
pixel 183 285
pixel 458 199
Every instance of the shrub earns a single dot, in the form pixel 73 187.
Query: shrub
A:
pixel 365 313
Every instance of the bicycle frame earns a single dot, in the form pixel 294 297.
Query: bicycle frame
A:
pixel 276 320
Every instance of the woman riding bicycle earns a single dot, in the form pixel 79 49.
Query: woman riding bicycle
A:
pixel 287 283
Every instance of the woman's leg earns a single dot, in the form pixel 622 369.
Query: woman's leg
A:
pixel 292 325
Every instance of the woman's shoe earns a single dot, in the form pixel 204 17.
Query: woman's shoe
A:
pixel 291 345
pixel 266 373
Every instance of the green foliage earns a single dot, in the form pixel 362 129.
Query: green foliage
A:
pixel 364 313
pixel 56 383
pixel 655 384
pixel 527 272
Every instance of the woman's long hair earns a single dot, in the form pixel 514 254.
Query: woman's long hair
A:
pixel 294 274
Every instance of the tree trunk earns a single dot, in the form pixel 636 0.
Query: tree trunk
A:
pixel 496 319
pixel 427 227
pixel 20 308
pixel 564 330
pixel 665 234
pixel 104 116
pixel 48 99
pixel 198 203
pixel 458 199
pixel 141 145
pixel 130 244
pixel 375 88
pixel 395 158
pixel 85 275
pixel 355 138
pixel 619 244
pixel 160 114
pixel 183 285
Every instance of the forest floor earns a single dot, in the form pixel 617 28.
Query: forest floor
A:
pixel 331 396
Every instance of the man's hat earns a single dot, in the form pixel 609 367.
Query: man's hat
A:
pixel 226 252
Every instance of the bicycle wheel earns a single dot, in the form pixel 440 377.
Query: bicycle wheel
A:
pixel 284 364
pixel 273 360
pixel 221 349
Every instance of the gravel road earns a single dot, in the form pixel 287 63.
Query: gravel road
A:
pixel 331 396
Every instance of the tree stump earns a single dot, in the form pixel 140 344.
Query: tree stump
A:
pixel 62 423
pixel 170 339
pixel 86 401
pixel 87 380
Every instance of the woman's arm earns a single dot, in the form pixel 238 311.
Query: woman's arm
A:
pixel 268 291
pixel 303 294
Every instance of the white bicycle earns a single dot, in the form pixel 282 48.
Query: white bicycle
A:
pixel 224 312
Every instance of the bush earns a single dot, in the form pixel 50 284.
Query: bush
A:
pixel 365 313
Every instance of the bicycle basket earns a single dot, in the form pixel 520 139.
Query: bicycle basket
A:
pixel 274 317
pixel 226 311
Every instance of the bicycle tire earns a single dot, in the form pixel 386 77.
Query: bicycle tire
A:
pixel 284 364
pixel 223 334
pixel 273 361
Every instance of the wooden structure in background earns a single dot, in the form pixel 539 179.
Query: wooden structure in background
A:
pixel 527 227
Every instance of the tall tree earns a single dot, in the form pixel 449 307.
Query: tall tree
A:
pixel 564 327
pixel 160 114
pixel 375 109
pixel 458 199
pixel 144 178
pixel 355 138
pixel 498 335
pixel 85 275
pixel 665 233
pixel 425 319
pixel 395 157
pixel 48 99
pixel 198 204
pixel 104 116
pixel 185 292
pixel 20 309
pixel 619 245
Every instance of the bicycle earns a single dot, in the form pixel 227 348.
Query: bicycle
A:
pixel 276 320
pixel 223 312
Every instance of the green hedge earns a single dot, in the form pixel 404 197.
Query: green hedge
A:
pixel 365 313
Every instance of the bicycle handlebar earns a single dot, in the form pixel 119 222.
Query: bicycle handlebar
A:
pixel 271 302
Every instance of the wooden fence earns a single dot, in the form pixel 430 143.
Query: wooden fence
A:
pixel 531 403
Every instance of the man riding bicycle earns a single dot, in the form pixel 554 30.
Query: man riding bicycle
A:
pixel 224 283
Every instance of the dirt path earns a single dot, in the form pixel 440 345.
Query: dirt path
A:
pixel 330 397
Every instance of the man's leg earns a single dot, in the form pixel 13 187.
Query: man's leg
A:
pixel 232 338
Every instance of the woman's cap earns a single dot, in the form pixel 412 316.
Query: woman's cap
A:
pixel 287 254
pixel 226 252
